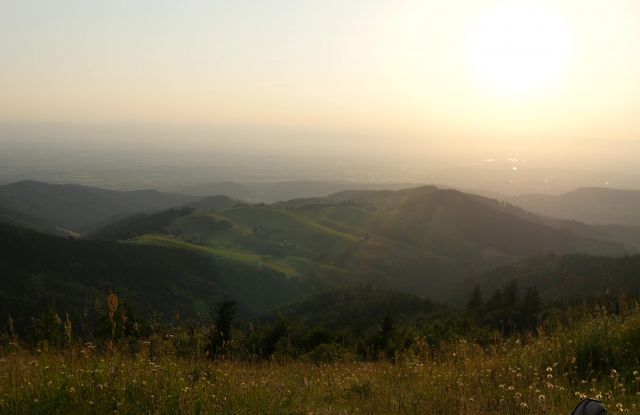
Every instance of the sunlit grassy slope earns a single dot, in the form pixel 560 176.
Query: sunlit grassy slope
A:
pixel 290 266
pixel 331 243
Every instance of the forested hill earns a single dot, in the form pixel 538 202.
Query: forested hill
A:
pixel 569 277
pixel 358 308
pixel 423 240
pixel 78 208
pixel 41 272
pixel 69 275
pixel 24 220
pixel 452 222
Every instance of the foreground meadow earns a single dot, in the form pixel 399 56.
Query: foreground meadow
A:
pixel 534 375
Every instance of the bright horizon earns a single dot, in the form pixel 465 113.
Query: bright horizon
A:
pixel 568 68
pixel 553 82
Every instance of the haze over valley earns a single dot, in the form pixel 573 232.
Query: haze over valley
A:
pixel 133 156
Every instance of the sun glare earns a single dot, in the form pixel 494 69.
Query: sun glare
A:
pixel 519 48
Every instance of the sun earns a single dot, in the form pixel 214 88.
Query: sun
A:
pixel 519 48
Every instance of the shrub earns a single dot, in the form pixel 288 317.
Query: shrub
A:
pixel 328 353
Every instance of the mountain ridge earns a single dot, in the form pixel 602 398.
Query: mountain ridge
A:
pixel 78 207
pixel 592 205
pixel 420 239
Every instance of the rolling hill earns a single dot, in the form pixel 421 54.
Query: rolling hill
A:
pixel 23 220
pixel 271 192
pixel 591 205
pixel 78 208
pixel 435 219
pixel 426 241
pixel 213 203
pixel 136 225
pixel 422 240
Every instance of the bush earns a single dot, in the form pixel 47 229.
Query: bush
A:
pixel 328 353
pixel 606 342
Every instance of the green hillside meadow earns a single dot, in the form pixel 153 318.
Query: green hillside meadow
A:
pixel 424 240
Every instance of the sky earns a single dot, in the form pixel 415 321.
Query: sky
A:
pixel 491 78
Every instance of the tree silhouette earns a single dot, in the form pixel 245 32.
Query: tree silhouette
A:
pixel 221 331
pixel 475 301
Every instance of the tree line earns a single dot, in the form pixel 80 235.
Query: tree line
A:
pixel 507 312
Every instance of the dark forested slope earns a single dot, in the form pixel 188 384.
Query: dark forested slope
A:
pixel 570 277
pixel 38 271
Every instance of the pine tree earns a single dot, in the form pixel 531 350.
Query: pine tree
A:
pixel 531 305
pixel 385 336
pixel 475 301
pixel 221 331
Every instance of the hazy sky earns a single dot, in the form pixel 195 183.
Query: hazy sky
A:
pixel 556 73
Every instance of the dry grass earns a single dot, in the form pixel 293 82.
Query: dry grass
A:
pixel 544 376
